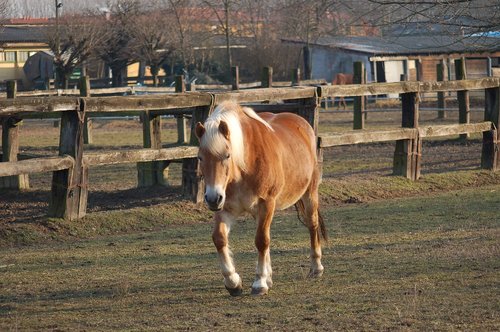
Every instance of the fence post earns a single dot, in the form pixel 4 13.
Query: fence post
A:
pixel 419 72
pixel 267 77
pixel 407 154
pixel 462 96
pixel 365 98
pixel 84 85
pixel 359 102
pixel 11 89
pixel 296 77
pixel 182 131
pixel 309 110
pixel 180 84
pixel 10 145
pixel 235 78
pixel 406 70
pixel 69 186
pixel 490 154
pixel 193 185
pixel 441 101
pixel 152 173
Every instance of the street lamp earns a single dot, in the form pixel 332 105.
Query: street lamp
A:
pixel 59 5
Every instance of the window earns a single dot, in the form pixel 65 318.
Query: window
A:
pixel 2 56
pixel 22 56
pixel 10 56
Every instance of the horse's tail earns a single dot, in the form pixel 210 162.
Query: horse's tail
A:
pixel 301 213
pixel 322 227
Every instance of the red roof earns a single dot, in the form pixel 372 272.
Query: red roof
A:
pixel 27 21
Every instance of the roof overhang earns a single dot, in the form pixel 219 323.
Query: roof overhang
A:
pixel 24 45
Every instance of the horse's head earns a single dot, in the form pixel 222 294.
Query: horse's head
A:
pixel 215 156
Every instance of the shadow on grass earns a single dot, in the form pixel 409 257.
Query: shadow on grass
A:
pixel 32 206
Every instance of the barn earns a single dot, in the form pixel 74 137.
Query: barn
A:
pixel 412 55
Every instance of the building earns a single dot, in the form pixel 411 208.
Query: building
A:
pixel 415 56
pixel 20 39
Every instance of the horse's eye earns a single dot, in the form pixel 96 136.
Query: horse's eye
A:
pixel 200 159
pixel 228 156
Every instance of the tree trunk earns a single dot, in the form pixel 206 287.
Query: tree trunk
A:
pixel 154 71
pixel 228 40
pixel 118 77
pixel 60 76
pixel 65 80
pixel 307 62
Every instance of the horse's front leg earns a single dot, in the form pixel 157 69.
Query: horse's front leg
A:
pixel 220 236
pixel 263 279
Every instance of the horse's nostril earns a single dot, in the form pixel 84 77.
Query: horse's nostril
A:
pixel 206 198
pixel 219 199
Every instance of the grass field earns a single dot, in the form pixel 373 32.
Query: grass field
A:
pixel 402 255
pixel 422 263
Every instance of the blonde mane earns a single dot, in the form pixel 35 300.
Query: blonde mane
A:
pixel 215 142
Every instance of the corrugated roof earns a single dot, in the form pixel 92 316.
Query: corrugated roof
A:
pixel 412 45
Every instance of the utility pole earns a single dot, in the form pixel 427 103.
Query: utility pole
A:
pixel 57 56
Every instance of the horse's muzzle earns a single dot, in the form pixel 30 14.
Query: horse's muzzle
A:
pixel 214 202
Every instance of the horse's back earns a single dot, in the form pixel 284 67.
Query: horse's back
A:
pixel 342 79
pixel 291 126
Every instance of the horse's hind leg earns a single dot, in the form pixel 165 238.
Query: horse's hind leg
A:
pixel 220 235
pixel 310 203
pixel 344 104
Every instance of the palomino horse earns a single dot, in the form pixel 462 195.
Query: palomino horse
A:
pixel 257 164
pixel 341 79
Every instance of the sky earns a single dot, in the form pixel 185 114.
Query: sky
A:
pixel 46 8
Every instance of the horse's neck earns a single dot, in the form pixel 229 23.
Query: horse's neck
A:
pixel 257 140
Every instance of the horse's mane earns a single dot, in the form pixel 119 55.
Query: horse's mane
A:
pixel 229 112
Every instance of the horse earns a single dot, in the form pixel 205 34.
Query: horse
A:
pixel 257 164
pixel 342 79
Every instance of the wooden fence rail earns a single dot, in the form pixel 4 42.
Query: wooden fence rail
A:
pixel 70 169
pixel 36 165
pixel 140 90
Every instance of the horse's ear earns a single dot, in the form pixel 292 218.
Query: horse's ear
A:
pixel 224 129
pixel 199 130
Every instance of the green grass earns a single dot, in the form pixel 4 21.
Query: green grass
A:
pixel 407 256
pixel 421 263
pixel 365 188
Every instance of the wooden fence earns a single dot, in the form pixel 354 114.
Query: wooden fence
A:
pixel 70 169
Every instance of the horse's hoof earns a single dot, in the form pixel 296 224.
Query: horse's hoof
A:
pixel 235 291
pixel 260 291
pixel 315 273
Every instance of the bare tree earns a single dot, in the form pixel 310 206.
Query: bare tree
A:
pixel 5 8
pixel 258 24
pixel 118 49
pixel 303 19
pixel 223 9
pixel 72 43
pixel 457 19
pixel 182 13
pixel 152 32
